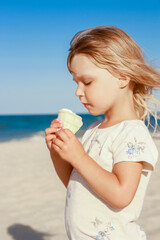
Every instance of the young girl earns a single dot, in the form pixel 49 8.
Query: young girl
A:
pixel 107 174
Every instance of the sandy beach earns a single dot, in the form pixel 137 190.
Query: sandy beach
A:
pixel 32 198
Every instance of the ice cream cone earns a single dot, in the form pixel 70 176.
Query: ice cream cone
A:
pixel 70 120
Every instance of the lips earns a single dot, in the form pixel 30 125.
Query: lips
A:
pixel 86 104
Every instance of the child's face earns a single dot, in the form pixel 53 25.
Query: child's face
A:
pixel 97 89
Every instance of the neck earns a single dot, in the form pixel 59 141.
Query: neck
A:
pixel 123 110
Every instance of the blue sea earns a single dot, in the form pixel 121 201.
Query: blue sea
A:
pixel 24 126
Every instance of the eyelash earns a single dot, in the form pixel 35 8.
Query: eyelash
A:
pixel 87 83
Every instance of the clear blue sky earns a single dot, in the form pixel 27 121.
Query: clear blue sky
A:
pixel 34 42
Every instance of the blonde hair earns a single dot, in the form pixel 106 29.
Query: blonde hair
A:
pixel 112 49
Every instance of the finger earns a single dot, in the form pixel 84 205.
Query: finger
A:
pixel 62 135
pixel 48 131
pixel 56 120
pixel 52 130
pixel 55 147
pixel 58 142
pixel 50 137
pixel 68 132
pixel 49 141
pixel 57 124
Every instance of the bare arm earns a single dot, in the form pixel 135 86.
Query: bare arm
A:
pixel 63 168
pixel 117 188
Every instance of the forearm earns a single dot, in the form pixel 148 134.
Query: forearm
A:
pixel 116 188
pixel 62 168
pixel 104 183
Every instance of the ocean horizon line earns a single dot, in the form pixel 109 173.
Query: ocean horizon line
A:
pixel 24 125
pixel 35 114
pixel 41 114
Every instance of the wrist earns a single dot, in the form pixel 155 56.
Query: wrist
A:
pixel 79 160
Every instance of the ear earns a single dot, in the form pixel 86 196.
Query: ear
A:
pixel 123 81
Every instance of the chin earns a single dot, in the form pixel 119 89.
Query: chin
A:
pixel 94 113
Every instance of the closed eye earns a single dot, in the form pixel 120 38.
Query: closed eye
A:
pixel 84 82
pixel 87 83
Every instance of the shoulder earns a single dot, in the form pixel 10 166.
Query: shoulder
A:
pixel 133 142
pixel 134 130
pixel 131 127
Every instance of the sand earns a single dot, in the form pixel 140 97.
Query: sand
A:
pixel 32 198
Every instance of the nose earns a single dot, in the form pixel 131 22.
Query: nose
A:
pixel 79 91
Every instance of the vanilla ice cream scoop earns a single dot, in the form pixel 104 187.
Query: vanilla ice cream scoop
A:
pixel 70 120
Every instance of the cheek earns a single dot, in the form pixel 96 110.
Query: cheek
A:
pixel 103 92
pixel 107 92
pixel 93 91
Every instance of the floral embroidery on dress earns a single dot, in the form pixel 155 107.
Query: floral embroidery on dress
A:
pixel 135 148
pixel 101 235
pixel 142 233
pixel 97 222
pixel 104 230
